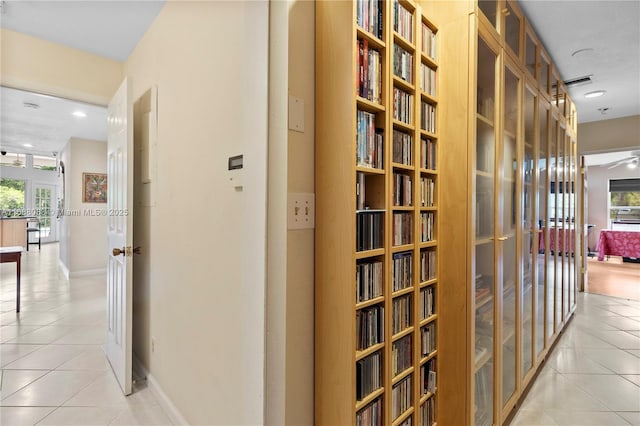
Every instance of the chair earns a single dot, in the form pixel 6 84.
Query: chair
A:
pixel 33 226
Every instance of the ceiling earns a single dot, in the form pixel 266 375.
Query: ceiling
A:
pixel 611 29
pixel 610 33
pixel 46 122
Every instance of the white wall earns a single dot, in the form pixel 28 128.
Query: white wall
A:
pixel 205 267
pixel 598 193
pixel 618 134
pixel 83 242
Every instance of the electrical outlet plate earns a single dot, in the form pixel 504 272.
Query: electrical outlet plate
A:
pixel 301 211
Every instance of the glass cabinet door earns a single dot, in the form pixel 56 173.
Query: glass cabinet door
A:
pixel 559 222
pixel 507 233
pixel 513 28
pixel 489 9
pixel 573 208
pixel 528 253
pixel 483 263
pixel 542 228
pixel 553 310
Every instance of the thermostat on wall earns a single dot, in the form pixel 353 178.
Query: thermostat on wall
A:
pixel 236 172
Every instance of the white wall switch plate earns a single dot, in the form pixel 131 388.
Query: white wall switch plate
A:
pixel 296 114
pixel 301 211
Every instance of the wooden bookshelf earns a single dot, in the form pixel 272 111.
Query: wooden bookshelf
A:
pixel 403 189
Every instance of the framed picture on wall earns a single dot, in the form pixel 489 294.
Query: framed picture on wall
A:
pixel 94 187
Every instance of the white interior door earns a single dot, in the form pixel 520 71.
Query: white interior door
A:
pixel 44 196
pixel 120 236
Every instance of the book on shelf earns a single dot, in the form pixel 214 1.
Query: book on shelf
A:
pixel 368 375
pixel 428 302
pixel 402 64
pixel 371 415
pixel 427 231
pixel 428 114
pixel 401 314
pixel 401 355
pixel 369 16
pixel 428 412
pixel 400 397
pixel 402 148
pixel 369 72
pixel 429 41
pixel 369 327
pixel 428 154
pixel 369 279
pixel 428 265
pixel 402 228
pixel 428 341
pixel 402 21
pixel 427 191
pixel 402 106
pixel 402 189
pixel 402 267
pixel 369 141
pixel 369 230
pixel 428 80
pixel 428 377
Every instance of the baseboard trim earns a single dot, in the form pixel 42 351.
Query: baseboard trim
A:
pixel 64 268
pixel 164 401
pixel 87 273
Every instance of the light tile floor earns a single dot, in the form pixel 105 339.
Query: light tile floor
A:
pixel 53 370
pixel 592 376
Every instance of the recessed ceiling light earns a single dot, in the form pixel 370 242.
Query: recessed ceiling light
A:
pixel 27 145
pixel 79 114
pixel 595 93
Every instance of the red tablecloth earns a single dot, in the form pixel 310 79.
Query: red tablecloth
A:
pixel 618 243
pixel 570 244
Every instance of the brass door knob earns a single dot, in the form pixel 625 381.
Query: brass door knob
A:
pixel 118 252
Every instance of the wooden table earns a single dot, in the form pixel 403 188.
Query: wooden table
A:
pixel 13 254
pixel 618 243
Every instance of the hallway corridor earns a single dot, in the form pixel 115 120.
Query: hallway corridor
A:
pixel 54 371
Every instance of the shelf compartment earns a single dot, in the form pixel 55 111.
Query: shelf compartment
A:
pixel 405 247
pixel 402 292
pixel 403 208
pixel 426 396
pixel 428 244
pixel 483 301
pixel 480 362
pixel 428 283
pixel 401 166
pixel 428 357
pixel 369 106
pixel 370 302
pixel 428 320
pixel 370 37
pixel 369 398
pixel 428 98
pixel 404 43
pixel 427 60
pixel 403 126
pixel 484 119
pixel 401 334
pixel 401 418
pixel 428 134
pixel 369 253
pixel 404 84
pixel 369 351
pixel 370 170
pixel 428 171
pixel 402 375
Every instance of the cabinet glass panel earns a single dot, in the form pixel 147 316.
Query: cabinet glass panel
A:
pixel 559 222
pixel 572 226
pixel 553 234
pixel 543 74
pixel 542 229
pixel 490 9
pixel 512 29
pixel 528 255
pixel 484 260
pixel 568 229
pixel 508 234
pixel 554 87
pixel 530 55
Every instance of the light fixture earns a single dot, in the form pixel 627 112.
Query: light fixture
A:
pixel 595 93
pixel 27 145
pixel 79 114
pixel 633 164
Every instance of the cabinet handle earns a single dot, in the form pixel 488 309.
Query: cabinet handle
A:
pixel 502 238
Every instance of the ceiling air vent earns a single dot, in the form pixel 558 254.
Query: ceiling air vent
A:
pixel 579 81
pixel 30 105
